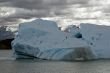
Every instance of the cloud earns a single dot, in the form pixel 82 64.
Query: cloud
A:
pixel 11 11
pixel 13 14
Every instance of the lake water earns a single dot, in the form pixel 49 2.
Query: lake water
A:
pixel 41 66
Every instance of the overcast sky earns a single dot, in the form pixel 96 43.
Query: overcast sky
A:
pixel 63 11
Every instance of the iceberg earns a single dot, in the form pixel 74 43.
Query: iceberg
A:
pixel 42 39
pixel 98 38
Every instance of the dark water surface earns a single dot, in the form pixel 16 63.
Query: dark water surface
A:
pixel 39 66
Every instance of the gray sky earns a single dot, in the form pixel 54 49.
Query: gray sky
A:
pixel 63 11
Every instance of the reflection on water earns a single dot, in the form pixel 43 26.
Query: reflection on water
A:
pixel 39 66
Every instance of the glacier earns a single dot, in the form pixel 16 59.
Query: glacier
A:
pixel 42 39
